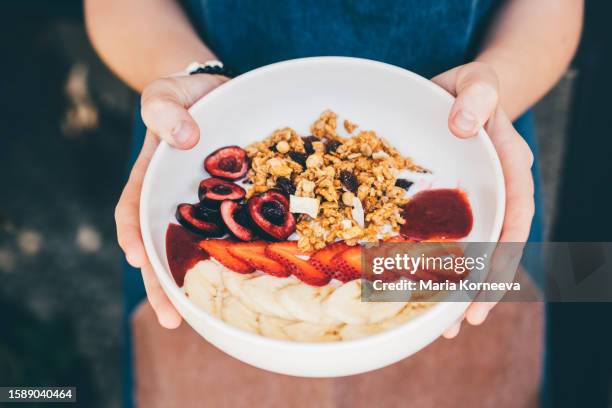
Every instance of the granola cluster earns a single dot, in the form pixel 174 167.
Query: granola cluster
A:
pixel 352 178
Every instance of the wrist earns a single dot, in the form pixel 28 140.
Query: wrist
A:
pixel 496 59
pixel 509 70
pixel 174 62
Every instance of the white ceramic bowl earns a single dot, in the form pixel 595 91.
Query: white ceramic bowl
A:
pixel 409 111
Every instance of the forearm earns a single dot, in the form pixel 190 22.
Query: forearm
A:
pixel 142 40
pixel 529 46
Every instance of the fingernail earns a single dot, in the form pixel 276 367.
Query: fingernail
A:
pixel 181 133
pixel 465 121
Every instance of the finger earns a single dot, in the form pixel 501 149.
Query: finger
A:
pixel 164 105
pixel 476 88
pixel 127 212
pixel 516 159
pixel 453 331
pixel 167 315
pixel 478 312
pixel 504 268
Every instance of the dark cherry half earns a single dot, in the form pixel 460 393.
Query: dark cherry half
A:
pixel 215 189
pixel 270 212
pixel 236 220
pixel 227 162
pixel 209 211
pixel 191 217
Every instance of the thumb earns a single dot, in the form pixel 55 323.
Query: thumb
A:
pixel 475 86
pixel 164 105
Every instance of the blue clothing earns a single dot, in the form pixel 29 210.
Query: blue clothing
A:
pixel 425 36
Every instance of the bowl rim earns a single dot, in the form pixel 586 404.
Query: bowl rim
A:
pixel 177 294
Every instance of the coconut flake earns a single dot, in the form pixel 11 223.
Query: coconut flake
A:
pixel 304 205
pixel 346 224
pixel 357 212
pixel 379 155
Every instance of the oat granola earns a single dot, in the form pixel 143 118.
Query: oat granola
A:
pixel 341 173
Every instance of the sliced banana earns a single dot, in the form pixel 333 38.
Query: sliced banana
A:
pixel 345 305
pixel 285 308
pixel 357 331
pixel 204 286
pixel 233 283
pixel 303 331
pixel 304 302
pixel 273 327
pixel 407 313
pixel 237 314
pixel 263 292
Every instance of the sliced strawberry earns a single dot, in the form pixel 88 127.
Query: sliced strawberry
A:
pixel 322 259
pixel 254 253
pixel 347 264
pixel 291 247
pixel 287 254
pixel 218 249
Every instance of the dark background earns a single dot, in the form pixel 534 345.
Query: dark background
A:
pixel 64 140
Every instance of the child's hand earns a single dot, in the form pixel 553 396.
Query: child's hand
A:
pixel 476 87
pixel 164 111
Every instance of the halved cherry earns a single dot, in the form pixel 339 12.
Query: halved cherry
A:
pixel 270 212
pixel 227 162
pixel 215 189
pixel 190 217
pixel 236 220
pixel 209 211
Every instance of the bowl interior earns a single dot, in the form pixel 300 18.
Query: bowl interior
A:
pixel 407 110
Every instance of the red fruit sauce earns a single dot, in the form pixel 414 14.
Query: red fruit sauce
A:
pixel 183 251
pixel 437 214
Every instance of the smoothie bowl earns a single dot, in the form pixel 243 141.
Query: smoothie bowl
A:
pixel 256 234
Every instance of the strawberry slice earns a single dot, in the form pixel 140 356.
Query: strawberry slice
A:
pixel 347 264
pixel 218 249
pixel 322 259
pixel 254 253
pixel 291 247
pixel 287 254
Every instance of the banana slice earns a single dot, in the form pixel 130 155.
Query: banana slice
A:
pixel 233 283
pixel 263 293
pixel 357 331
pixel 409 312
pixel 204 286
pixel 237 314
pixel 304 302
pixel 345 305
pixel 273 327
pixel 308 332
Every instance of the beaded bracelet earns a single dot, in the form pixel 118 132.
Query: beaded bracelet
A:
pixel 213 67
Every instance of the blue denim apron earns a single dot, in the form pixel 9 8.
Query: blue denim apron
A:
pixel 425 36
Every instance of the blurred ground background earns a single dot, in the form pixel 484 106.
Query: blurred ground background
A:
pixel 64 139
